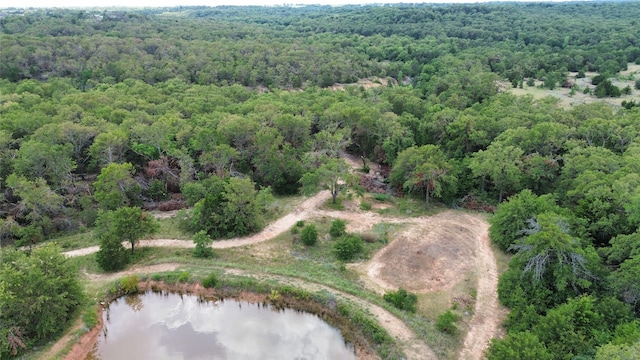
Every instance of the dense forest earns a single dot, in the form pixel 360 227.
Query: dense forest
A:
pixel 104 112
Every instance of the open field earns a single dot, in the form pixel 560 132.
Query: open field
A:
pixel 568 100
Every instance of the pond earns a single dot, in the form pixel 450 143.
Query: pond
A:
pixel 170 326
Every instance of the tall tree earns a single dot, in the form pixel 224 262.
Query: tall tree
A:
pixel 125 224
pixel 39 293
pixel 500 163
pixel 39 160
pixel 423 168
pixel 333 175
pixel 115 186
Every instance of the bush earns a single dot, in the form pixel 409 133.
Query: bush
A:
pixel 157 190
pixel 347 247
pixel 366 206
pixel 184 277
pixel 210 281
pixel 380 197
pixel 300 223
pixel 202 241
pixel 309 235
pixel 338 228
pixel 446 322
pixel 402 300
pixel 129 284
pixel 638 84
pixel 596 80
pixel 112 256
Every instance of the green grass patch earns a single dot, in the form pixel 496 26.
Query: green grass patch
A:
pixel 169 229
pixel 329 205
pixel 409 207
pixel 76 241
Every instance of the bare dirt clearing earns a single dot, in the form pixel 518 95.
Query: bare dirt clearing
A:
pixel 434 254
pixel 430 255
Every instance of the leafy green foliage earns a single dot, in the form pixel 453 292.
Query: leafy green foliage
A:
pixel 518 346
pixel 112 256
pixel 422 168
pixel 230 208
pixel 157 190
pixel 39 293
pixel 203 245
pixel 446 322
pixel 501 164
pixel 618 352
pixel 190 117
pixel 309 235
pixel 332 175
pixel 402 299
pixel 347 247
pixel 338 228
pixel 129 284
pixel 625 282
pixel 606 88
pixel 210 281
pixel 511 218
pixel 115 187
pixel 125 224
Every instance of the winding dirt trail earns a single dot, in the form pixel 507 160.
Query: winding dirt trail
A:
pixel 432 254
pixel 485 321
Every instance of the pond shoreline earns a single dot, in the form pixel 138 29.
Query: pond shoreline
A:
pixel 363 350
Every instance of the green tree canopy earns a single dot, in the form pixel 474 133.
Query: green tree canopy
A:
pixel 38 295
pixel 422 168
pixel 115 186
pixel 125 224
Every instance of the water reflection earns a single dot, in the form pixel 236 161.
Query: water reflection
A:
pixel 156 326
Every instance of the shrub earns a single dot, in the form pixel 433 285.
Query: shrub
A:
pixel 380 197
pixel 596 80
pixel 112 256
pixel 184 277
pixel 446 322
pixel 129 284
pixel 309 235
pixel 637 84
pixel 338 228
pixel 300 223
pixel 202 241
pixel 366 206
pixel 157 190
pixel 402 300
pixel 210 281
pixel 347 247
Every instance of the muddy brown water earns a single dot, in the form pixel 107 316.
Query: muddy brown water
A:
pixel 170 326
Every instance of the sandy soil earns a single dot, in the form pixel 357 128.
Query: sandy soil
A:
pixel 432 254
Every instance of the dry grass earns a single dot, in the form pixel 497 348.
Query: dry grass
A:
pixel 568 100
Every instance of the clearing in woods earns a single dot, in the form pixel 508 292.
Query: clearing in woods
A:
pixel 445 253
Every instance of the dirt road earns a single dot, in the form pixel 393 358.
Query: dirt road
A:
pixel 430 255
